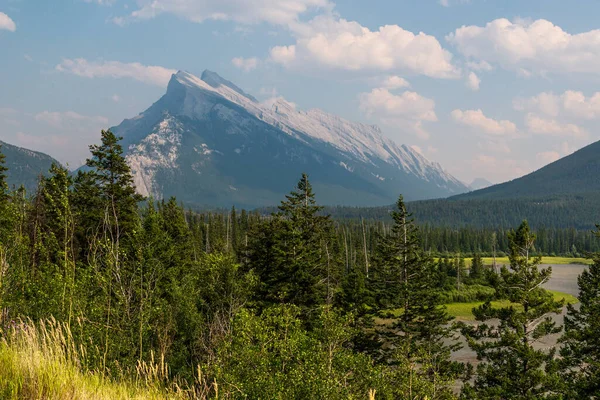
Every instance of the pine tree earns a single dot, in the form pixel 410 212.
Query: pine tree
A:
pixel 289 251
pixel 581 341
pixel 110 172
pixel 405 278
pixel 511 367
pixel 4 193
pixel 477 269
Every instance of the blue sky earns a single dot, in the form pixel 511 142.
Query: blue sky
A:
pixel 491 89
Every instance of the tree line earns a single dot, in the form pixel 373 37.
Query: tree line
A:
pixel 289 305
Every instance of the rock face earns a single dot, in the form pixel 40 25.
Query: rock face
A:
pixel 25 166
pixel 209 143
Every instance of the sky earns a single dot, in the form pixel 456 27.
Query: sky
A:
pixel 487 88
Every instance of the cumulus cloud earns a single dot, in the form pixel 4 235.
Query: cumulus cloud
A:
pixel 336 43
pixel 279 12
pixel 408 109
pixel 394 82
pixel 570 104
pixel 551 127
pixel 60 119
pixel 529 47
pixel 284 55
pixel 154 75
pixel 477 120
pixel 473 81
pixel 246 64
pixel 7 23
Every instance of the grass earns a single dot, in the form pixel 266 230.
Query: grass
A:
pixel 545 260
pixel 41 362
pixel 463 311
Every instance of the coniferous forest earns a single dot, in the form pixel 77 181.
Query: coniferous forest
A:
pixel 101 286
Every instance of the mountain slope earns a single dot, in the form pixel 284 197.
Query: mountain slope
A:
pixel 209 143
pixel 575 174
pixel 25 166
pixel 480 183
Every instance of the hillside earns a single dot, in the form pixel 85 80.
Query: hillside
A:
pixel 574 174
pixel 25 166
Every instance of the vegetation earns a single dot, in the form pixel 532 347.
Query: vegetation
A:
pixel 104 294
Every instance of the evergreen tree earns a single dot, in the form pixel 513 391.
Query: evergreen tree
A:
pixel 581 341
pixel 404 278
pixel 476 271
pixel 3 178
pixel 291 251
pixel 511 367
pixel 110 172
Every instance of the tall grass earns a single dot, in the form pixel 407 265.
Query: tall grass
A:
pixel 41 361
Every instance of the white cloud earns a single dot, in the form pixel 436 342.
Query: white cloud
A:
pixel 408 109
pixel 530 47
pixel 473 81
pixel 279 12
pixel 116 98
pixel 547 157
pixel 447 3
pixel 150 74
pixel 59 119
pixel 552 127
pixel 7 23
pixel 284 55
pixel 101 2
pixel 395 82
pixel 547 103
pixel 246 64
pixel 477 120
pixel 572 104
pixel 334 43
pixel 480 66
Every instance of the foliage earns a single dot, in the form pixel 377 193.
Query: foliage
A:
pixel 511 367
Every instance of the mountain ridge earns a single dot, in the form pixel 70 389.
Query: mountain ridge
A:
pixel 573 174
pixel 204 133
pixel 25 166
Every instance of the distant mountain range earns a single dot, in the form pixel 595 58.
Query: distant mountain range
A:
pixel 25 166
pixel 577 173
pixel 209 143
pixel 479 183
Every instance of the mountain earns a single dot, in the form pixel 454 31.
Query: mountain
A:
pixel 25 166
pixel 574 174
pixel 480 183
pixel 209 143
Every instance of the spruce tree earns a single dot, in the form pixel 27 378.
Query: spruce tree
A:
pixel 289 251
pixel 581 340
pixel 511 368
pixel 476 272
pixel 4 194
pixel 405 278
pixel 110 172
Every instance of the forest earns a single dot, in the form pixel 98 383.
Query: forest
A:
pixel 105 294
